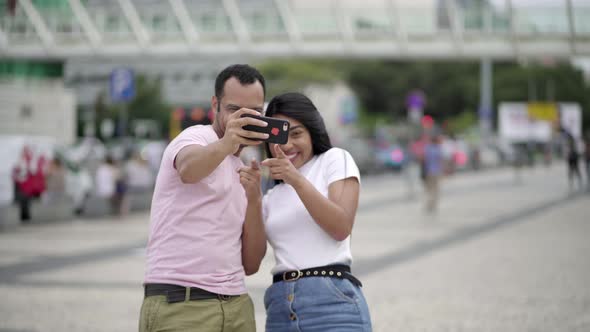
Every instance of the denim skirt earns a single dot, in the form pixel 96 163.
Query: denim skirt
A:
pixel 316 304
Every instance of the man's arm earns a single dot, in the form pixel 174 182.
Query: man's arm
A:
pixel 195 162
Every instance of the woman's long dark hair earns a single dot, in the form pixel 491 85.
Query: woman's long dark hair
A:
pixel 297 106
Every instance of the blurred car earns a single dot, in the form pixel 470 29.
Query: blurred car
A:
pixel 391 156
pixel 360 150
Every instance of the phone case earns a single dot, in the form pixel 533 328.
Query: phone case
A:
pixel 277 129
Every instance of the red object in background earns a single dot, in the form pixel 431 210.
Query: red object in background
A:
pixel 460 158
pixel 29 174
pixel 197 114
pixel 178 114
pixel 427 121
pixel 417 147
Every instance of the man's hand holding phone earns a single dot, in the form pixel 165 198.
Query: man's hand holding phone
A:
pixel 235 135
pixel 277 129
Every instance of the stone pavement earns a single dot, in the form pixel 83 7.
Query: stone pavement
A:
pixel 498 256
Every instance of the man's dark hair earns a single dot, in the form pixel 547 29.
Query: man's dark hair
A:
pixel 245 74
pixel 297 106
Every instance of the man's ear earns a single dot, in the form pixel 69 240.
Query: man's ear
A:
pixel 215 104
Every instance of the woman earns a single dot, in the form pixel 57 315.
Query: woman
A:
pixel 308 218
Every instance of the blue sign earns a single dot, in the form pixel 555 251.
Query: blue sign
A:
pixel 122 85
pixel 349 110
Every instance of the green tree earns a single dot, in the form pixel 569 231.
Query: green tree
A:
pixel 451 87
pixel 293 75
pixel 147 104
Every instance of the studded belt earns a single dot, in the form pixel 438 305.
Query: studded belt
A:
pixel 333 271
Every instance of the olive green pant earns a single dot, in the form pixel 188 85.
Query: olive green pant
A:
pixel 213 315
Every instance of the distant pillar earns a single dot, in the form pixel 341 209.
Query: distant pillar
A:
pixel 485 111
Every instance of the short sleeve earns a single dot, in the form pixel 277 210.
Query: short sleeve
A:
pixel 340 165
pixel 196 135
pixel 265 206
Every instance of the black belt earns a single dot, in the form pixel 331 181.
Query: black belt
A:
pixel 175 293
pixel 332 271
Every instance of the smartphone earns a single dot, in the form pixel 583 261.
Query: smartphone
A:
pixel 277 129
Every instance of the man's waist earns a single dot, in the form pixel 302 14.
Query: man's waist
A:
pixel 177 293
pixel 231 284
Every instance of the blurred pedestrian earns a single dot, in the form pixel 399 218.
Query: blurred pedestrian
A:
pixel 55 179
pixel 433 169
pixel 573 162
pixel 107 176
pixel 315 198
pixel 121 196
pixel 587 159
pixel 29 180
pixel 204 234
pixel 518 162
pixel 138 174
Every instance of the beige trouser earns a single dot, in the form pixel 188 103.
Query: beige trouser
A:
pixel 212 315
pixel 432 192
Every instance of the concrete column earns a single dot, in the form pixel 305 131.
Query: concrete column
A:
pixel 485 98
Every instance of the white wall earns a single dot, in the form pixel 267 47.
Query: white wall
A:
pixel 52 110
pixel 329 99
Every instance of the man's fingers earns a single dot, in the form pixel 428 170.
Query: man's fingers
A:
pixel 245 110
pixel 248 141
pixel 254 164
pixel 251 134
pixel 251 121
pixel 279 152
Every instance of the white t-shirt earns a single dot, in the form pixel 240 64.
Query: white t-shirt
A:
pixel 298 241
pixel 105 181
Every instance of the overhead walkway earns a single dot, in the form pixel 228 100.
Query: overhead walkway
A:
pixel 268 28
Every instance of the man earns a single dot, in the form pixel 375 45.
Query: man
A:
pixel 201 244
pixel 433 168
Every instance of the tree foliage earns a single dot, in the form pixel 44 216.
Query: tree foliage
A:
pixel 451 87
pixel 293 75
pixel 148 103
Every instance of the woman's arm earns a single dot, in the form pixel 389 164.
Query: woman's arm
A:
pixel 253 234
pixel 334 214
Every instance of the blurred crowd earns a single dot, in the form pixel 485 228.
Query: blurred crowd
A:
pixel 89 178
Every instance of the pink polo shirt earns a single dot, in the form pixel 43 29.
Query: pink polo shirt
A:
pixel 196 229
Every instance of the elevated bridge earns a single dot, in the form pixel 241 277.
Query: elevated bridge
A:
pixel 445 29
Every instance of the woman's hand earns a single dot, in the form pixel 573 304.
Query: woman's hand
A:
pixel 281 168
pixel 250 180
